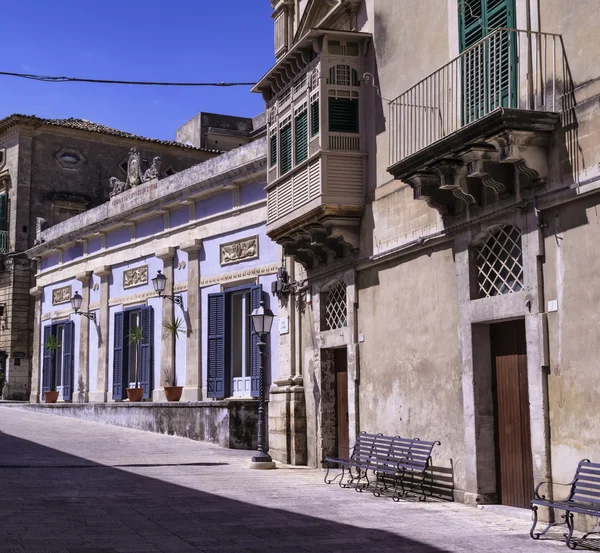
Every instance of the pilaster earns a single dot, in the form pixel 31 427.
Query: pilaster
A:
pixel 167 359
pixel 82 388
pixel 193 371
pixel 35 361
pixel 100 395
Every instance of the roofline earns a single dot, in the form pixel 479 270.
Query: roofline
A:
pixel 20 119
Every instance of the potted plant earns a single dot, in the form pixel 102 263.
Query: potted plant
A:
pixel 135 339
pixel 52 346
pixel 172 391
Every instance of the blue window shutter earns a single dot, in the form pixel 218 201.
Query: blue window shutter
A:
pixel 215 382
pixel 67 359
pixel 146 351
pixel 47 361
pixel 255 297
pixel 118 357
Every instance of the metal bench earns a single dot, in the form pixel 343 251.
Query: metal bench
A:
pixel 393 457
pixel 583 498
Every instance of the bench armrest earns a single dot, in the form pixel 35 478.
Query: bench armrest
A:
pixel 537 488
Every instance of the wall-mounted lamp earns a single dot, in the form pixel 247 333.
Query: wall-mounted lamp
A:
pixel 76 305
pixel 160 282
pixel 284 286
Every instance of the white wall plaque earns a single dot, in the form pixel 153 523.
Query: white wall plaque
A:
pixel 284 326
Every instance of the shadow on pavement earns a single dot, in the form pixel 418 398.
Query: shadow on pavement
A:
pixel 47 506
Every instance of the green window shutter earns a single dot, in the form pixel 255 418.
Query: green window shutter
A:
pixel 343 115
pixel 301 128
pixel 314 117
pixel 285 143
pixel 273 150
pixel 3 223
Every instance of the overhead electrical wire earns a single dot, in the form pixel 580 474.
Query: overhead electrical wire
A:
pixel 50 79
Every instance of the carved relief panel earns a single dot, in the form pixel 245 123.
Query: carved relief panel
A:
pixel 239 250
pixel 138 276
pixel 61 295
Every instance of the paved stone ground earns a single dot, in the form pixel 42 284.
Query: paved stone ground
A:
pixel 80 487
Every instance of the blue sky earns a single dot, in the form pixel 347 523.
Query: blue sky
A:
pixel 156 40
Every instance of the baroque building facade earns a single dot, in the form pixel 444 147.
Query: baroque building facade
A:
pixel 433 178
pixel 51 170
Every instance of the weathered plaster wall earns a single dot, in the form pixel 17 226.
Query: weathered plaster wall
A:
pixel 571 270
pixel 410 372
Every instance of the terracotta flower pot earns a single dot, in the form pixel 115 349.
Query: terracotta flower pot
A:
pixel 135 394
pixel 173 393
pixel 50 397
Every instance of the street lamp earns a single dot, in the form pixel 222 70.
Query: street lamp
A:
pixel 262 319
pixel 160 282
pixel 76 305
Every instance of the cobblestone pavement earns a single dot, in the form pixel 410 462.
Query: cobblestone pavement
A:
pixel 80 487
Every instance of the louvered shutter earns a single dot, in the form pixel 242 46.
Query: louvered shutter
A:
pixel 343 115
pixel 47 361
pixel 314 117
pixel 489 67
pixel 273 150
pixel 3 223
pixel 285 144
pixel 216 385
pixel 146 351
pixel 255 359
pixel 68 346
pixel 118 391
pixel 301 128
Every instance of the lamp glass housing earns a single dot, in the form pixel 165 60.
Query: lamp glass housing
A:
pixel 76 302
pixel 262 319
pixel 159 282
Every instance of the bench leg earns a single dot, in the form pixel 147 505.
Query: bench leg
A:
pixel 377 491
pixel 537 535
pixel 571 526
pixel 398 495
pixel 361 487
pixel 332 480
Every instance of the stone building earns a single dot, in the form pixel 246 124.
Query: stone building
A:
pixel 50 170
pixel 204 230
pixel 433 180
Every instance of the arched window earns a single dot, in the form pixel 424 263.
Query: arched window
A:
pixel 499 262
pixel 334 312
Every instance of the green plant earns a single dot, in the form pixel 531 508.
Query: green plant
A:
pixel 173 328
pixel 52 345
pixel 136 337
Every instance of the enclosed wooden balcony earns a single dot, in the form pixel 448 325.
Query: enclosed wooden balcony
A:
pixel 458 135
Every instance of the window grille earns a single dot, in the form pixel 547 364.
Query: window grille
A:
pixel 343 75
pixel 499 262
pixel 300 85
pixel 336 312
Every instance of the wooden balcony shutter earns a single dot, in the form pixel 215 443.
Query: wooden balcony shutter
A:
pixel 146 351
pixel 486 73
pixel 67 359
pixel 314 117
pixel 216 346
pixel 255 360
pixel 46 361
pixel 119 337
pixel 343 115
pixel 285 143
pixel 273 150
pixel 301 131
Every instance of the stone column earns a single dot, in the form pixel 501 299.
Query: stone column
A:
pixel 193 370
pixel 101 395
pixel 167 361
pixel 287 409
pixel 82 386
pixel 36 368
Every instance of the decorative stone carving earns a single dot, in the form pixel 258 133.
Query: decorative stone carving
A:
pixel 61 295
pixel 240 250
pixel 135 277
pixel 135 176
pixel 39 223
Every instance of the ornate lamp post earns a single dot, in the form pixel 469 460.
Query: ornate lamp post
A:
pixel 262 319
pixel 76 301
pixel 160 282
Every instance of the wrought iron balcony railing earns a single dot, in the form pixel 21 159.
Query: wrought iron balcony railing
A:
pixel 508 68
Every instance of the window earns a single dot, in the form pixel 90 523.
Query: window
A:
pixel 301 134
pixel 273 148
pixel 126 357
pixel 499 262
pixel 334 311
pixel 285 143
pixel 339 48
pixel 3 223
pixel 343 100
pixel 57 362
pixel 233 356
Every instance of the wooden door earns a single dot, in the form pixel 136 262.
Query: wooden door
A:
pixel 341 402
pixel 511 403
